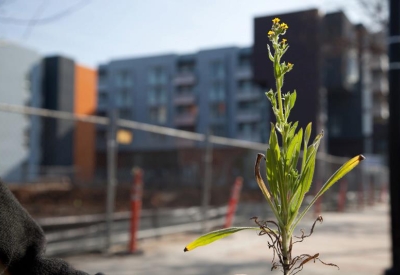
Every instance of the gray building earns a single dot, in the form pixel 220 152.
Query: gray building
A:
pixel 19 135
pixel 211 90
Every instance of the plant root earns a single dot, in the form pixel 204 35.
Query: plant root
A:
pixel 275 242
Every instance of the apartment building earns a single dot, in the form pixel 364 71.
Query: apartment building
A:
pixel 20 85
pixel 68 147
pixel 333 77
pixel 211 90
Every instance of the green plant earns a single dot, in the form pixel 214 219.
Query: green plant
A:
pixel 289 178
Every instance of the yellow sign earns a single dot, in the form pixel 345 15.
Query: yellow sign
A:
pixel 124 136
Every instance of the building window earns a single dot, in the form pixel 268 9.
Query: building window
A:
pixel 245 86
pixel 248 128
pixel 217 110
pixel 218 130
pixel 186 67
pixel 244 62
pixel 217 69
pixel 123 98
pixel 124 79
pixel 185 90
pixel 158 76
pixel 157 95
pixel 103 98
pixel 335 126
pixel 102 77
pixel 352 72
pixel 217 91
pixel 248 107
pixel 158 115
pixel 186 110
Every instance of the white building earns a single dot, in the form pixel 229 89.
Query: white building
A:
pixel 20 83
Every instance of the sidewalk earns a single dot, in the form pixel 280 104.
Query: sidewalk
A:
pixel 358 242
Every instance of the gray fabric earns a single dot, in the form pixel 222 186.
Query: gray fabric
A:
pixel 22 242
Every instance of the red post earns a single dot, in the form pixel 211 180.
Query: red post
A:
pixel 235 194
pixel 318 203
pixel 136 207
pixel 342 195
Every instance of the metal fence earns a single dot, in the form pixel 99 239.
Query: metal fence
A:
pixel 75 162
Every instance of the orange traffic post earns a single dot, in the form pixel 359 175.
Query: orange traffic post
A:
pixel 136 207
pixel 233 201
pixel 342 195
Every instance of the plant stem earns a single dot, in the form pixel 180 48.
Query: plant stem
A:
pixel 286 253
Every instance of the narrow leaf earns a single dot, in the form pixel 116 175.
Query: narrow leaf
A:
pixel 342 171
pixel 263 187
pixel 214 236
pixel 307 134
pixel 293 97
pixel 269 53
pixel 259 179
pixel 347 167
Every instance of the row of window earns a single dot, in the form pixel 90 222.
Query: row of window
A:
pixel 159 94
pixel 159 75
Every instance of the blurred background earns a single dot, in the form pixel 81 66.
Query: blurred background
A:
pixel 90 90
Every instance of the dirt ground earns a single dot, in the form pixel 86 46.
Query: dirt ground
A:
pixel 51 200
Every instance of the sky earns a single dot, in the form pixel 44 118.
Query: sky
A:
pixel 93 32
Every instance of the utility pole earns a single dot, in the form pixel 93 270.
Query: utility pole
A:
pixel 394 131
pixel 111 176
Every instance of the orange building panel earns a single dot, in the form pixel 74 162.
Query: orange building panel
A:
pixel 85 101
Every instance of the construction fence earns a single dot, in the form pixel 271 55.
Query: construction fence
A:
pixel 62 164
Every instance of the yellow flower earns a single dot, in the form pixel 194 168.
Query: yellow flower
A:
pixel 284 41
pixel 284 26
pixel 290 64
pixel 271 33
pixel 276 20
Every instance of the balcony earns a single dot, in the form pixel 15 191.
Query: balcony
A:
pixel 380 86
pixel 379 63
pixel 381 111
pixel 185 99
pixel 185 119
pixel 248 116
pixel 244 73
pixel 247 95
pixel 184 79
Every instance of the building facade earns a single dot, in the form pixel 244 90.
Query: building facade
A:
pixel 332 75
pixel 68 147
pixel 34 148
pixel 211 90
pixel 20 75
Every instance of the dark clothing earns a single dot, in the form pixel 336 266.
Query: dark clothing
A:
pixel 22 242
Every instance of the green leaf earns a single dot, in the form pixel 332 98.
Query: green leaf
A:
pixel 270 54
pixel 342 171
pixel 271 175
pixel 307 134
pixel 215 235
pixel 261 184
pixel 294 150
pixel 293 97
